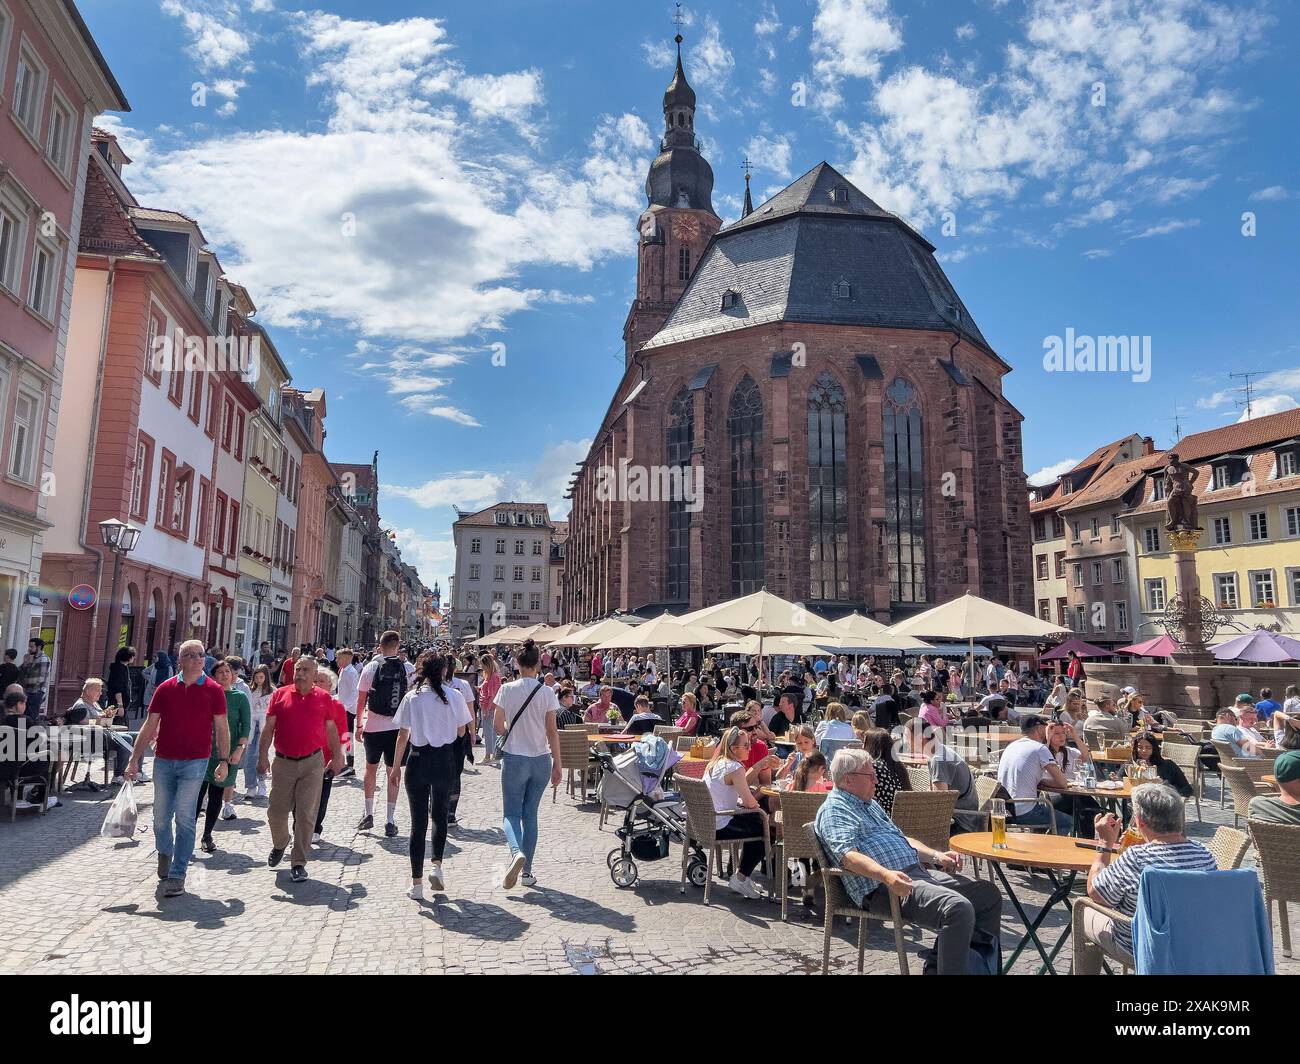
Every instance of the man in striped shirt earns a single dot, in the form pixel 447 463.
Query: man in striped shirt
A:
pixel 1158 813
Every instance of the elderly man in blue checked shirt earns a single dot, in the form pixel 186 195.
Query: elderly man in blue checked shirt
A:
pixel 868 847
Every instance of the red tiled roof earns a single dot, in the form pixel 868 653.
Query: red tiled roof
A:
pixel 487 516
pixel 1100 461
pixel 106 225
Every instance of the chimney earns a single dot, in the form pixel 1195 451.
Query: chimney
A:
pixel 1148 446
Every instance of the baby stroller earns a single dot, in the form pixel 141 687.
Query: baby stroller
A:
pixel 652 819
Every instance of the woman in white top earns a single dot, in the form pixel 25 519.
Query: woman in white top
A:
pixel 729 788
pixel 431 720
pixel 261 690
pixel 525 716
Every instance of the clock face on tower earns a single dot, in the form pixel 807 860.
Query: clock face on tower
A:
pixel 686 228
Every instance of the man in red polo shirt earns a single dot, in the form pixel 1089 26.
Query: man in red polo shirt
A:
pixel 183 713
pixel 300 724
pixel 286 670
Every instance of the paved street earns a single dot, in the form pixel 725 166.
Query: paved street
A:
pixel 73 902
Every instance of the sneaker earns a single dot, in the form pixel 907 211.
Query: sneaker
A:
pixel 348 771
pixel 416 893
pixel 511 876
pixel 745 887
pixel 451 819
pixel 228 812
pixel 315 838
pixel 390 830
pixel 436 881
pixel 142 778
pixel 298 874
pixel 367 822
pixel 173 887
pixel 164 865
pixel 207 845
pixel 262 792
pixel 275 857
pixel 118 781
pixel 528 879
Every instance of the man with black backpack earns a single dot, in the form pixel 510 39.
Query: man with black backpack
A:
pixel 384 682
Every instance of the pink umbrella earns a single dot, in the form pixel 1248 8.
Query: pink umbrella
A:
pixel 1084 650
pixel 1162 646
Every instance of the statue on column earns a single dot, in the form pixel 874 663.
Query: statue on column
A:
pixel 1180 499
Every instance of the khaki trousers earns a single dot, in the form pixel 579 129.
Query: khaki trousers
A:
pixel 295 788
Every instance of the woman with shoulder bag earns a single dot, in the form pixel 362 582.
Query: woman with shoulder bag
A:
pixel 530 757
pixel 431 721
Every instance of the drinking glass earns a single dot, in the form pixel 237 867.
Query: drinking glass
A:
pixel 998 823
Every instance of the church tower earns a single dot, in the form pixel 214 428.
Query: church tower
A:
pixel 678 221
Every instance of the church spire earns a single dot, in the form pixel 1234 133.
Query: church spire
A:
pixel 680 176
pixel 749 203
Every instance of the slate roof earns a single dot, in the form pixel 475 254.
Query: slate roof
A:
pixel 106 226
pixel 788 259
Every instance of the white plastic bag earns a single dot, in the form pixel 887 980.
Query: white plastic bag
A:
pixel 120 822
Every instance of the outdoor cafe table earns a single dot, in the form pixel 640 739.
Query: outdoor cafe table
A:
pixel 1051 854
pixel 1100 794
pixel 606 738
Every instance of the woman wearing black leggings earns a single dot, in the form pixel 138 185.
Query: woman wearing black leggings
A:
pixel 431 721
pixel 239 718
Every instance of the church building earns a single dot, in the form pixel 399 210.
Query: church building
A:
pixel 807 406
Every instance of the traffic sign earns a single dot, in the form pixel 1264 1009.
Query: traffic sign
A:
pixel 81 597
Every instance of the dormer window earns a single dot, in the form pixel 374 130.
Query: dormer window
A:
pixel 842 289
pixel 191 264
pixel 1288 463
pixel 1157 488
pixel 730 299
pixel 840 196
pixel 1221 476
pixel 1066 487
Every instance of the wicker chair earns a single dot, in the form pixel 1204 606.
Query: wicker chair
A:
pixel 1257 768
pixel 838 903
pixel 1229 847
pixel 1242 790
pixel 1279 867
pixel 667 732
pixel 1081 905
pixel 14 774
pixel 576 759
pixel 905 718
pixel 1188 758
pixel 702 828
pixel 797 809
pixel 925 816
pixel 683 743
pixel 919 777
pixel 1195 726
pixel 1096 740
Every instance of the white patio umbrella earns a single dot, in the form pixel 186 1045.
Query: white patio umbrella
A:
pixel 664 632
pixel 968 618
pixel 593 634
pixel 794 645
pixel 857 625
pixel 508 634
pixel 553 634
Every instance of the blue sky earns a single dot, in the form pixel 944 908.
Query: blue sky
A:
pixel 403 186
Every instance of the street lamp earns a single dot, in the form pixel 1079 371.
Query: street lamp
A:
pixel 319 605
pixel 260 590
pixel 348 611
pixel 120 538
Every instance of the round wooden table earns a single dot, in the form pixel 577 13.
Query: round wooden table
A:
pixel 1269 779
pixel 605 738
pixel 1049 853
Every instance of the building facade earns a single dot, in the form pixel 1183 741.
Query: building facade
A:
pixel 503 561
pixel 815 412
pixel 53 81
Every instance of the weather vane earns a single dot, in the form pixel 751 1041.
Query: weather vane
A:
pixel 679 19
pixel 747 166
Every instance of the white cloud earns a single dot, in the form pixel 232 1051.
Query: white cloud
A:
pixel 510 97
pixel 1097 253
pixel 1171 226
pixel 936 139
pixel 768 23
pixel 965 31
pixel 1048 474
pixel 433 556
pixel 1272 194
pixel 709 63
pixel 850 37
pixel 406 233
pixel 1278 382
pixel 1267 404
pixel 215 41
pixel 770 153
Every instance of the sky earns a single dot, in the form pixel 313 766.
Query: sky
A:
pixel 434 205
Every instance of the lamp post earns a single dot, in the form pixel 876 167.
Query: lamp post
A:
pixel 260 590
pixel 120 538
pixel 348 611
pixel 318 604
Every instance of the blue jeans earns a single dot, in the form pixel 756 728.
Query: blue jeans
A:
pixel 175 794
pixel 523 782
pixel 249 764
pixel 1037 817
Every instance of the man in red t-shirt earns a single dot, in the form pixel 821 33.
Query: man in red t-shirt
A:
pixel 300 723
pixel 286 670
pixel 184 713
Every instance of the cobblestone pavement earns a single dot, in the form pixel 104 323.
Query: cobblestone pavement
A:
pixel 73 902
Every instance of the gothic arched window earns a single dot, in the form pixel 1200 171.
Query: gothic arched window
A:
pixel 828 493
pixel 904 494
pixel 680 436
pixel 683 264
pixel 745 433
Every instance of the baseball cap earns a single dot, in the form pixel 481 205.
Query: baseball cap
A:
pixel 1245 699
pixel 1128 690
pixel 1286 769
pixel 1029 723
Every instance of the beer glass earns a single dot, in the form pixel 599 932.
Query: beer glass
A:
pixel 998 823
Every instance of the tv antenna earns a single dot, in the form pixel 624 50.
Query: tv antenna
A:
pixel 1179 413
pixel 1248 389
